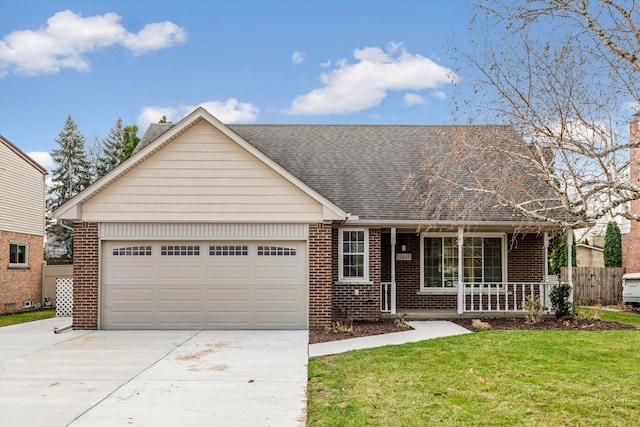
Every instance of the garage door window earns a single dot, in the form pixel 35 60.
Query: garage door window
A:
pixel 226 250
pixel 276 251
pixel 132 251
pixel 178 250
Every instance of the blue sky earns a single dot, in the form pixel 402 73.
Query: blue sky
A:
pixel 245 61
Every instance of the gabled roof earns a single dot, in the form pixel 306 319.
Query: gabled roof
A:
pixel 364 169
pixel 23 155
pixel 161 134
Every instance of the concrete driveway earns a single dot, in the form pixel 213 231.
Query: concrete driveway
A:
pixel 151 378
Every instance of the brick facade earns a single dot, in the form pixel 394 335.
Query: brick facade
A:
pixel 319 275
pixel 85 275
pixel 365 305
pixel 18 285
pixel 631 241
pixel 525 264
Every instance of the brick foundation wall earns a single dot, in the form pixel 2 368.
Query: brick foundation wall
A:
pixel 85 275
pixel 18 285
pixel 365 305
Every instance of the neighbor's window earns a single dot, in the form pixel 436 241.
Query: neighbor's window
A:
pixel 354 254
pixel 483 259
pixel 18 255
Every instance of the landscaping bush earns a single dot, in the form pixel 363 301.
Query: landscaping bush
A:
pixel 560 300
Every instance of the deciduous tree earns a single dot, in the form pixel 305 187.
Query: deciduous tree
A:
pixel 565 75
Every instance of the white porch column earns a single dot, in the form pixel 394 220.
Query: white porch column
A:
pixel 570 261
pixel 460 270
pixel 393 270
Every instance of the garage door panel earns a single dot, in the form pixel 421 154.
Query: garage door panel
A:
pixel 126 273
pixel 277 295
pixel 277 273
pixel 123 319
pixel 181 295
pixel 130 295
pixel 180 272
pixel 277 318
pixel 229 317
pixel 222 273
pixel 228 295
pixel 235 285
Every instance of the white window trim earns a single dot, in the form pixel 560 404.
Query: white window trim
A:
pixel 454 290
pixel 26 255
pixel 341 277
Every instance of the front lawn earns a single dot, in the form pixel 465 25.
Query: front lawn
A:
pixel 612 316
pixel 492 378
pixel 14 319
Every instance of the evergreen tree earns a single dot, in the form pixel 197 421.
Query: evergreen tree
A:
pixel 612 246
pixel 130 140
pixel 111 150
pixel 73 172
pixel 560 254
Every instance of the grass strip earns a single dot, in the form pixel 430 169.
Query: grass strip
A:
pixel 14 319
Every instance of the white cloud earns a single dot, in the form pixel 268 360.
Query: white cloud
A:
pixel 45 160
pixel 229 111
pixel 353 87
pixel 68 36
pixel 414 99
pixel 298 57
pixel 439 94
pixel 326 64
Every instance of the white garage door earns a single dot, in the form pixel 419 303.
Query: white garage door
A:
pixel 204 285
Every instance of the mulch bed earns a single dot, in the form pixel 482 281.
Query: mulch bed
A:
pixel 357 329
pixel 572 324
pixel 364 329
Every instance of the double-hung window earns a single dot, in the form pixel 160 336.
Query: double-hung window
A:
pixel 354 254
pixel 18 255
pixel 483 260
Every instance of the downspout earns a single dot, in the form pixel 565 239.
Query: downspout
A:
pixel 393 270
pixel 460 270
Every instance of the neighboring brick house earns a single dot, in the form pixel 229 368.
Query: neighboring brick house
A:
pixel 210 225
pixel 22 217
pixel 631 229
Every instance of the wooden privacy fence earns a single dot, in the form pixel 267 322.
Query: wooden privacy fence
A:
pixel 595 284
pixel 49 275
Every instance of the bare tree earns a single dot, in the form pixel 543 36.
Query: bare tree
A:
pixel 565 75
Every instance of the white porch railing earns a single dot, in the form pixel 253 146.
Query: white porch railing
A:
pixel 385 297
pixel 505 297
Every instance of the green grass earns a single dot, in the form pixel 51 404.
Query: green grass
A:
pixel 613 316
pixel 14 319
pixel 492 378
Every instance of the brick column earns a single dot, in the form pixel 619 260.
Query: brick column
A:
pixel 631 241
pixel 85 275
pixel 319 275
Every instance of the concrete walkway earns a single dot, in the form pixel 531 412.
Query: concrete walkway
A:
pixel 422 330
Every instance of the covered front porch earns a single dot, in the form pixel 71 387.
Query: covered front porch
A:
pixel 453 274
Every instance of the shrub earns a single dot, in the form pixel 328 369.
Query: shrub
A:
pixel 612 246
pixel 479 325
pixel 533 307
pixel 559 296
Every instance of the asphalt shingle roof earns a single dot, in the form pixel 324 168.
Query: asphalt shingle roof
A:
pixel 363 168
